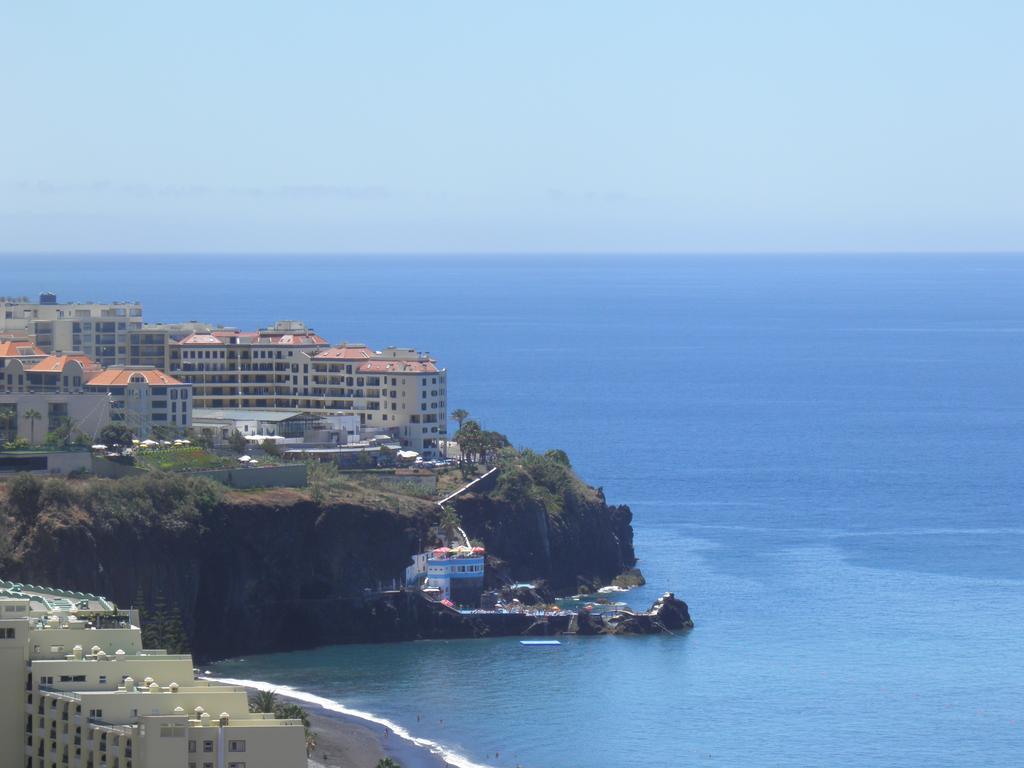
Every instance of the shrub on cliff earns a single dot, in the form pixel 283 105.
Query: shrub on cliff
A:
pixel 23 495
pixel 159 499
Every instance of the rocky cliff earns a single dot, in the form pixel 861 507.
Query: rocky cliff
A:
pixel 275 570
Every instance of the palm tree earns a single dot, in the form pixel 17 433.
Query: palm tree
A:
pixel 263 701
pixel 460 415
pixel 33 416
pixel 8 421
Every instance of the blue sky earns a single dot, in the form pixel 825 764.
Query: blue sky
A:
pixel 522 127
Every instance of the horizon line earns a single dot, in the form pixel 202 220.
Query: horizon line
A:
pixel 507 254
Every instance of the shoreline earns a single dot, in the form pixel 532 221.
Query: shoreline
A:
pixel 353 739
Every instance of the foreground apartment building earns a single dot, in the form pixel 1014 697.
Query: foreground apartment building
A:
pixel 38 394
pixel 99 331
pixel 78 690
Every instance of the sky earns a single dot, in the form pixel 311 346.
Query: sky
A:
pixel 511 127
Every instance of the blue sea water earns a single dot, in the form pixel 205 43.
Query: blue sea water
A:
pixel 824 456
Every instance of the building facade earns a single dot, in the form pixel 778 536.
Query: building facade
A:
pixel 99 331
pixel 78 690
pixel 246 369
pixel 144 398
pixel 33 415
pixel 398 391
pixel 18 349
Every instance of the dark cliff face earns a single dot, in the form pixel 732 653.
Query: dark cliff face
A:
pixel 585 543
pixel 270 571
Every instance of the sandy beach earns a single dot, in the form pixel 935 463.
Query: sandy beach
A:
pixel 345 741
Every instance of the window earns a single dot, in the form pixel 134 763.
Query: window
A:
pixel 236 765
pixel 95 713
pixel 8 633
pixel 103 679
pixel 207 746
pixel 192 747
pixel 236 746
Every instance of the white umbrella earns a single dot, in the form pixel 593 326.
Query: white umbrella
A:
pixel 99 447
pixel 244 459
pixel 150 442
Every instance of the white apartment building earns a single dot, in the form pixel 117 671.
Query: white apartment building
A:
pixel 260 369
pixel 77 690
pixel 398 391
pixel 99 331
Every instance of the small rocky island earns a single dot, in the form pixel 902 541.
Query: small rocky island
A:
pixel 282 569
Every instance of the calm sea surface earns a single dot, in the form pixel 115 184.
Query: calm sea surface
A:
pixel 825 458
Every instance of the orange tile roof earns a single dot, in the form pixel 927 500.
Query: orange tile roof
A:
pixel 354 352
pixel 119 377
pixel 200 338
pixel 222 337
pixel 56 363
pixel 20 349
pixel 294 338
pixel 397 366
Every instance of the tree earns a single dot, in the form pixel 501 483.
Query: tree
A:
pixel 287 710
pixel 164 432
pixel 116 436
pixel 267 701
pixel 263 701
pixel 8 421
pixel 450 523
pixel 387 762
pixel 60 435
pixel 460 415
pixel 270 448
pixel 33 416
pixel 238 442
pixel 164 628
pixel 203 438
pixel 479 445
pixel 469 439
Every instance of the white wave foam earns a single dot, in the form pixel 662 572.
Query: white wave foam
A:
pixel 434 747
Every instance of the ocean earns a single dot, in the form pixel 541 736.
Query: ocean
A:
pixel 824 457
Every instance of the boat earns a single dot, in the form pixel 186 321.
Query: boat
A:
pixel 540 642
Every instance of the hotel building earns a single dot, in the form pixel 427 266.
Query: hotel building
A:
pixel 246 369
pixel 99 331
pixel 396 391
pixel 78 690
